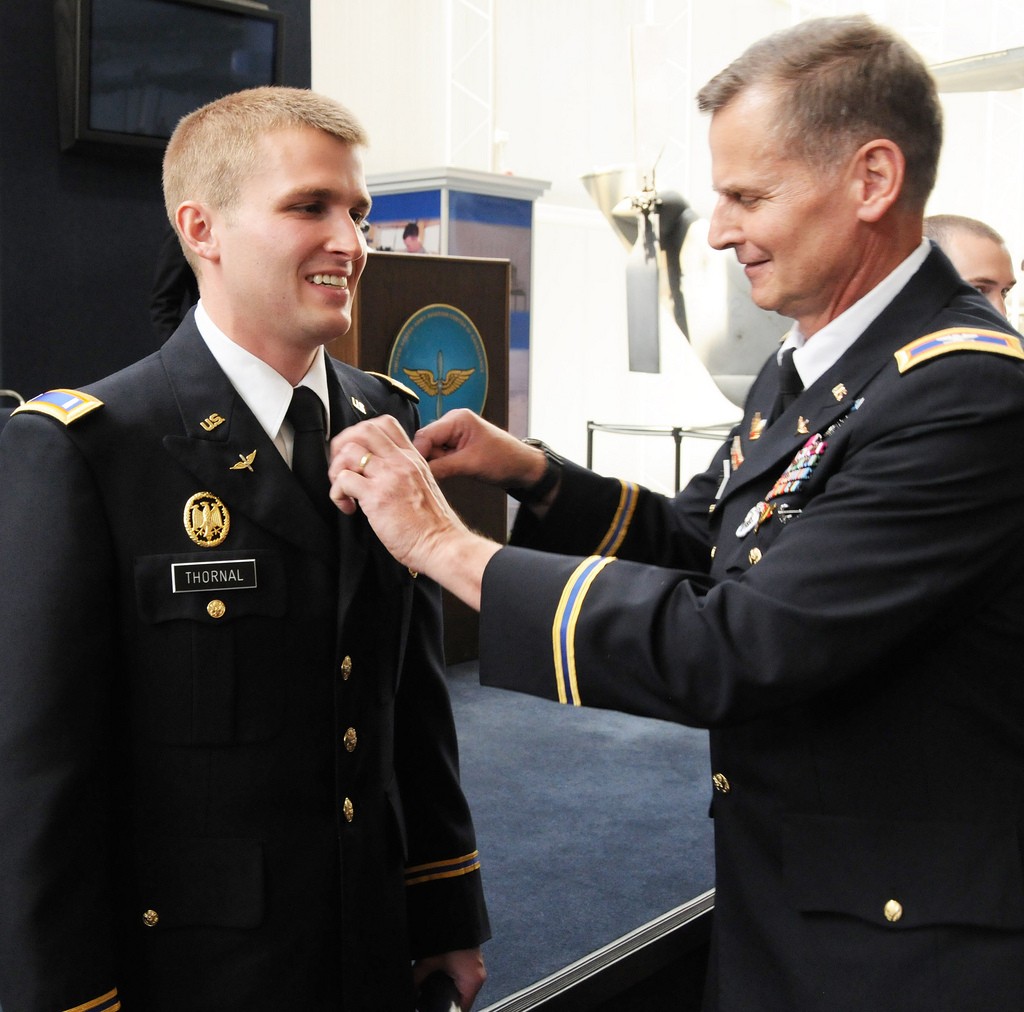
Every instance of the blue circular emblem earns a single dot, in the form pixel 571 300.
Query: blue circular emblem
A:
pixel 439 353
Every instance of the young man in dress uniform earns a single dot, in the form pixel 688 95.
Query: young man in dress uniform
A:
pixel 836 598
pixel 228 769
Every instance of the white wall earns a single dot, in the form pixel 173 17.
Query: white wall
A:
pixel 556 76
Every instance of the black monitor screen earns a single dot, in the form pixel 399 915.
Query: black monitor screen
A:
pixel 146 63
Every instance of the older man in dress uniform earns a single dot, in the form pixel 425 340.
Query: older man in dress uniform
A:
pixel 837 597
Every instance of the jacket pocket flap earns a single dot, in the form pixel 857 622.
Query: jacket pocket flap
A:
pixel 906 874
pixel 190 881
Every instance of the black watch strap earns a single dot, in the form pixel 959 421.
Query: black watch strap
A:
pixel 552 472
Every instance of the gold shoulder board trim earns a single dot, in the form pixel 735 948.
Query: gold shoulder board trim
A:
pixel 400 387
pixel 66 406
pixel 943 341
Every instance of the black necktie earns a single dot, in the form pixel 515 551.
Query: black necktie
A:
pixel 309 459
pixel 790 385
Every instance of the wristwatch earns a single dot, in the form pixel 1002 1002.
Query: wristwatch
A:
pixel 552 472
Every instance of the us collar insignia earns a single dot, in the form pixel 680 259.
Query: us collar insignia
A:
pixel 358 405
pixel 757 424
pixel 801 426
pixel 244 462
pixel 206 520
pixel 211 422
pixel 839 391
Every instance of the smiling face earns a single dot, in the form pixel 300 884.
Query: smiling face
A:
pixel 280 266
pixel 794 228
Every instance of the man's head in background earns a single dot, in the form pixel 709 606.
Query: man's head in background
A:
pixel 978 253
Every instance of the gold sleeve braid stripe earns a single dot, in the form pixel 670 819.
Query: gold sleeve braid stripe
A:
pixel 563 629
pixel 621 521
pixel 415 874
pixel 108 1002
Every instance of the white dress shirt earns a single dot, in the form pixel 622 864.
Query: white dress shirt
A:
pixel 267 393
pixel 813 358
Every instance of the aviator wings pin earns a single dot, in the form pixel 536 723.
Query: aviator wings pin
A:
pixel 244 462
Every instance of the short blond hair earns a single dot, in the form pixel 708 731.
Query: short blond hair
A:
pixel 216 147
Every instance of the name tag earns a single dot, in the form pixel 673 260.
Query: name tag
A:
pixel 230 574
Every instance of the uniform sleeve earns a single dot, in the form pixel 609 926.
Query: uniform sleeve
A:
pixel 906 545
pixel 595 515
pixel 56 728
pixel 444 890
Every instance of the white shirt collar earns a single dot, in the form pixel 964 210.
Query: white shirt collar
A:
pixel 812 359
pixel 263 388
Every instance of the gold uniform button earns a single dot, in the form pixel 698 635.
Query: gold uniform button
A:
pixel 893 911
pixel 721 783
pixel 351 739
pixel 150 918
pixel 346 668
pixel 349 810
pixel 216 608
pixel 754 556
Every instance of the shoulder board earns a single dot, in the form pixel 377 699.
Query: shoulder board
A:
pixel 395 385
pixel 944 341
pixel 66 406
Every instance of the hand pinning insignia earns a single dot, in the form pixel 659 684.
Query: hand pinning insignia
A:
pixel 244 462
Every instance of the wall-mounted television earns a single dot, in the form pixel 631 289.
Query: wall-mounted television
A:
pixel 128 70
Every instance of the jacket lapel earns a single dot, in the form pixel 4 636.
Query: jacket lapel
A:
pixel 227 449
pixel 354 533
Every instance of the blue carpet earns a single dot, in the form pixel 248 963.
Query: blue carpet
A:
pixel 589 823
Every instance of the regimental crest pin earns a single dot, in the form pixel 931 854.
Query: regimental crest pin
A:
pixel 757 424
pixel 206 520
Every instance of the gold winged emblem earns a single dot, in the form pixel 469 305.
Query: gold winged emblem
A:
pixel 439 386
pixel 244 462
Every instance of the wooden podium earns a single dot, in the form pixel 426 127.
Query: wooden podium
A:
pixel 395 287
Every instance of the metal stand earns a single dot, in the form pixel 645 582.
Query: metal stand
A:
pixel 677 432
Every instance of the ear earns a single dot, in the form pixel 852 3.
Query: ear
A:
pixel 879 170
pixel 195 224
